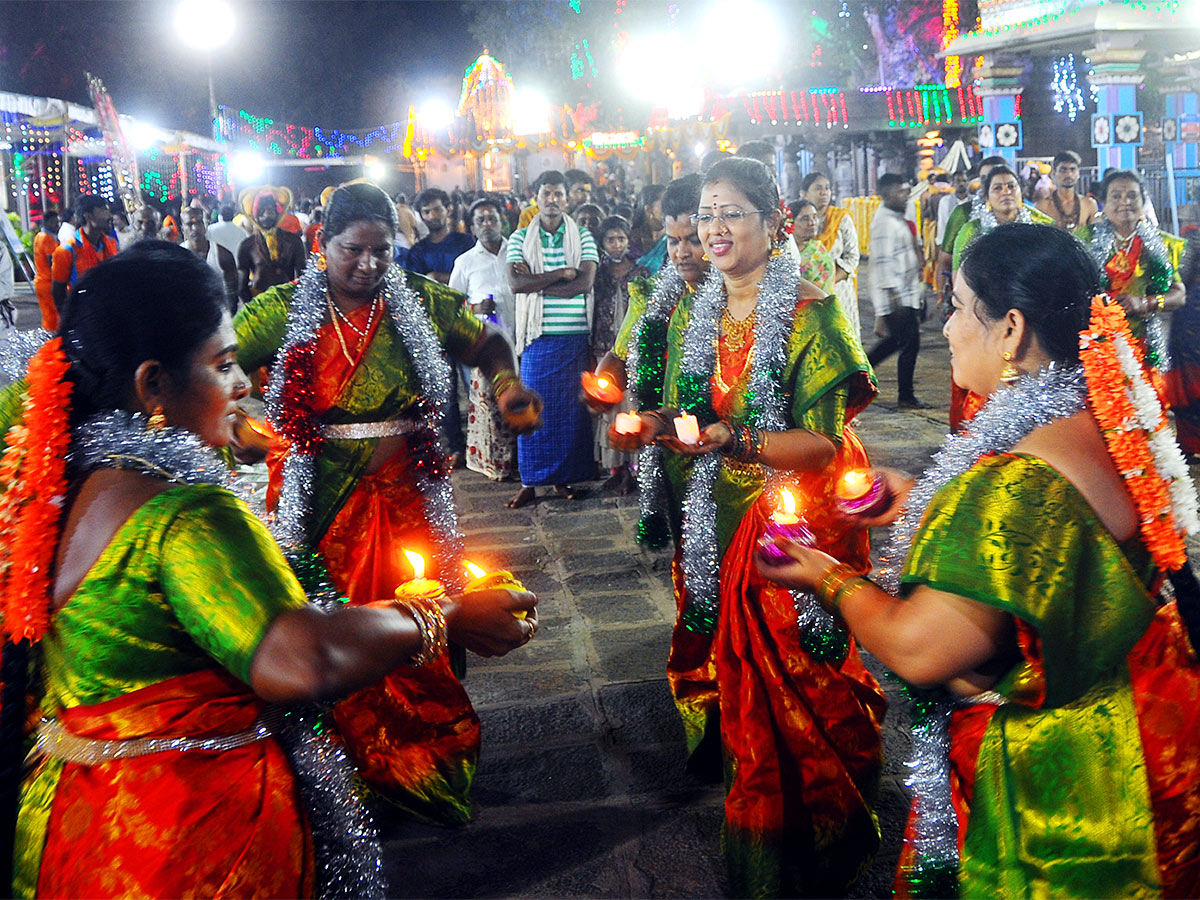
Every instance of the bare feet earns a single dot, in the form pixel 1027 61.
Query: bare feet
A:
pixel 523 497
pixel 571 492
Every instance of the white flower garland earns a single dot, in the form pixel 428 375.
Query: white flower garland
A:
pixel 1168 458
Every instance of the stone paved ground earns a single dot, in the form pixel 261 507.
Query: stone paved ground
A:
pixel 581 790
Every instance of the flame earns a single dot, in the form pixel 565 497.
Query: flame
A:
pixel 417 561
pixel 787 501
pixel 855 483
pixel 602 383
pixel 477 571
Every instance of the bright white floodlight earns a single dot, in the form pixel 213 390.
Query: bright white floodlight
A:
pixel 530 112
pixel 247 167
pixel 742 40
pixel 434 115
pixel 204 24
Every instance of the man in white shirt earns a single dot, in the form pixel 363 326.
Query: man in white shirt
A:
pixel 896 287
pixel 482 272
pixel 225 232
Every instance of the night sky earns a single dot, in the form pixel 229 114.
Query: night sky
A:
pixel 344 64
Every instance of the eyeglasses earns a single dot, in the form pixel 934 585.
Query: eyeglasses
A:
pixel 730 218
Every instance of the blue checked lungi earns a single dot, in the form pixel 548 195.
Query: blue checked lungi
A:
pixel 560 452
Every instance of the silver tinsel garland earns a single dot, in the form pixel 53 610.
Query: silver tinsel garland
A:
pixel 1104 245
pixel 346 847
pixel 668 288
pixel 987 219
pixel 1008 417
pixel 778 294
pixel 18 349
pixel 306 315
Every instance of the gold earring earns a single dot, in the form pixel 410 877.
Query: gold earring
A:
pixel 157 421
pixel 1009 374
pixel 705 257
pixel 321 264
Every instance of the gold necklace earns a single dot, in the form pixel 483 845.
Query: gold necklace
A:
pixel 737 331
pixel 335 315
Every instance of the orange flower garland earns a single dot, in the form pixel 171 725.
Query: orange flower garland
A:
pixel 1127 441
pixel 33 473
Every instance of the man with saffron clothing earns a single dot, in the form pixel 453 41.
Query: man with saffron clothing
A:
pixel 271 255
pixel 93 244
pixel 44 245
pixel 551 268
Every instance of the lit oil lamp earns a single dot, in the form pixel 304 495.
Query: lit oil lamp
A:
pixel 486 581
pixel 860 493
pixel 627 423
pixel 601 388
pixel 785 523
pixel 419 586
pixel 523 415
pixel 687 429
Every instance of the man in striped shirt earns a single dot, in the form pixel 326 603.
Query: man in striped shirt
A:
pixel 551 267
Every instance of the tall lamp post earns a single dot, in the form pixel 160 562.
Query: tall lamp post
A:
pixel 205 26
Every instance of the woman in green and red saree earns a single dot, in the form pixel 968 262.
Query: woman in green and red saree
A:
pixel 358 350
pixel 160 629
pixel 1056 739
pixel 769 367
pixel 1139 264
pixel 816 265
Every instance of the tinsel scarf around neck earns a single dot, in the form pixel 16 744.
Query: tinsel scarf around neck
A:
pixel 1007 418
pixel 778 294
pixel 646 367
pixel 290 412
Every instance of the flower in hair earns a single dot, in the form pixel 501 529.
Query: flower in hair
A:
pixel 33 476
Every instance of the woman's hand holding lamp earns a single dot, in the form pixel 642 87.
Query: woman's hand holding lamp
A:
pixel 784 523
pixel 484 580
pixel 863 493
pixel 601 389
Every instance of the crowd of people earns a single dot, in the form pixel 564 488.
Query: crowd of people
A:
pixel 213 698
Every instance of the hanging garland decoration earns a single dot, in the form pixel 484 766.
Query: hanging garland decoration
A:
pixel 345 844
pixel 765 409
pixel 1160 275
pixel 290 412
pixel 647 360
pixel 33 471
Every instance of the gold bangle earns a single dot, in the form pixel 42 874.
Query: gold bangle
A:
pixel 503 380
pixel 431 625
pixel 849 586
pixel 1161 300
pixel 831 583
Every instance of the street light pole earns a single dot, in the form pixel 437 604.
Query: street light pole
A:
pixel 212 98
